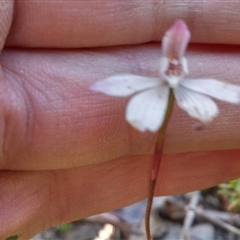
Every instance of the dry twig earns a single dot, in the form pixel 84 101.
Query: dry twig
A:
pixel 190 215
pixel 216 221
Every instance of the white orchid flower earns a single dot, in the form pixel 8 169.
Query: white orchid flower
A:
pixel 146 109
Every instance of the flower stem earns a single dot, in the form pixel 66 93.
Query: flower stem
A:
pixel 156 162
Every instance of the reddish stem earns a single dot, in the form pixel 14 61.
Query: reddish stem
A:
pixel 156 163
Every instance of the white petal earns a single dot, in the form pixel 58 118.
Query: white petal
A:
pixel 197 105
pixel 220 90
pixel 124 84
pixel 184 63
pixel 173 80
pixel 163 66
pixel 146 110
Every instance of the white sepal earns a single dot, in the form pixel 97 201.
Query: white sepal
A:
pixel 146 110
pixel 197 105
pixel 220 90
pixel 122 85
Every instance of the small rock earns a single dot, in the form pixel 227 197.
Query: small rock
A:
pixel 132 214
pixel 203 231
pixel 173 232
pixel 158 227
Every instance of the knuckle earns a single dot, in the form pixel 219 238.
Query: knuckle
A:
pixel 13 120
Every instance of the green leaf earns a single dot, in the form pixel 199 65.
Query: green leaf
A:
pixel 237 187
pixel 233 181
pixel 64 228
pixel 14 237
pixel 234 206
pixel 225 186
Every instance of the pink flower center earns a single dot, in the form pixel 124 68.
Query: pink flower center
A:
pixel 174 68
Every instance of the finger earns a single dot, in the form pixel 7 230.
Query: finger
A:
pixel 6 15
pixel 51 120
pixel 74 24
pixel 77 193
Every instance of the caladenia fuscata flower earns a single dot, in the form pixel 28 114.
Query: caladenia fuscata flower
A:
pixel 150 106
pixel 146 109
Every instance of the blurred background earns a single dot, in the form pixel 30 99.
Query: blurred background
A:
pixel 210 214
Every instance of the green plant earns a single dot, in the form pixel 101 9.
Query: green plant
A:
pixel 230 195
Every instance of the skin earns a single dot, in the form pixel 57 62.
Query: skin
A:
pixel 67 153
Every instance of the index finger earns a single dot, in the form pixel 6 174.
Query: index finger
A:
pixel 77 24
pixel 51 120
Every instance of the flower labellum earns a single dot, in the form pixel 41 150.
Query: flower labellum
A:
pixel 146 109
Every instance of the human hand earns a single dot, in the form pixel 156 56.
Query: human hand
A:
pixel 67 152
